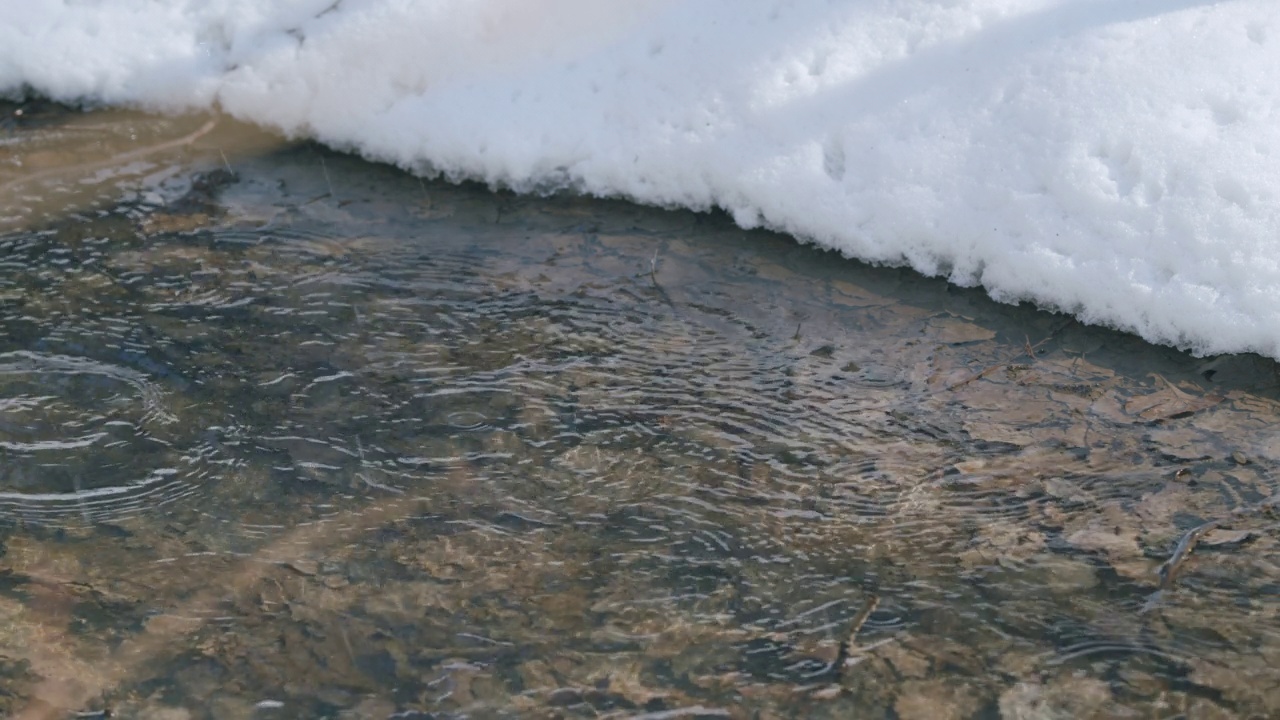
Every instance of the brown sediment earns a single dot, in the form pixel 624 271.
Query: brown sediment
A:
pixel 66 690
pixel 635 487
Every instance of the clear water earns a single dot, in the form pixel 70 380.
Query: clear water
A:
pixel 288 434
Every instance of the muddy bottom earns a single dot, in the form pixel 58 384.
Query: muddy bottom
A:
pixel 288 434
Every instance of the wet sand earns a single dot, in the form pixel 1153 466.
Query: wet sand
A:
pixel 284 433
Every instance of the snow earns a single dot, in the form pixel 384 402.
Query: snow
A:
pixel 1115 159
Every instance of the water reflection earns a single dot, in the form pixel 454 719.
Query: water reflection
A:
pixel 289 443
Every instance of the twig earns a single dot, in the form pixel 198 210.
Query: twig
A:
pixel 851 642
pixel 114 160
pixel 1028 350
pixel 325 169
pixel 1168 572
pixel 367 480
pixel 1187 545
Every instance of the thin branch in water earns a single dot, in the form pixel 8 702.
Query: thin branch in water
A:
pixel 325 169
pixel 851 642
pixel 1187 545
pixel 120 159
pixel 1028 350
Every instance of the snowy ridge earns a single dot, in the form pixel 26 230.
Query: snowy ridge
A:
pixel 1117 159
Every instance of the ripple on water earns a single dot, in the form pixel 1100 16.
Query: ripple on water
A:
pixel 561 442
pixel 84 440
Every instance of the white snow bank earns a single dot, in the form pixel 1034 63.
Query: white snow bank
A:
pixel 1118 159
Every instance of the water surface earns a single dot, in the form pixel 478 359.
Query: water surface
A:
pixel 288 434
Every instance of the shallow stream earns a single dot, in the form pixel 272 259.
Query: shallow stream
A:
pixel 284 433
